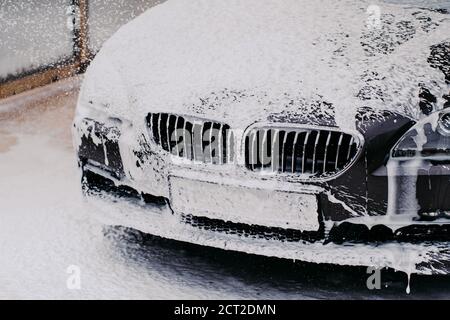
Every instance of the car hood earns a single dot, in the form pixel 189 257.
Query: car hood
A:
pixel 268 60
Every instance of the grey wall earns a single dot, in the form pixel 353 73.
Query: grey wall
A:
pixel 39 33
pixel 33 33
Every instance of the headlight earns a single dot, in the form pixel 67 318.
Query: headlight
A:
pixel 430 137
pixel 444 123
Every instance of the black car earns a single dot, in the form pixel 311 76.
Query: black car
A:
pixel 309 130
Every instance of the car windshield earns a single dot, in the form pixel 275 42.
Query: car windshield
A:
pixel 431 4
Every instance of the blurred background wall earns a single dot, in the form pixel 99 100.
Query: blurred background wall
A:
pixel 42 41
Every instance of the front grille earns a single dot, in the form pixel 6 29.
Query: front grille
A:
pixel 315 153
pixel 196 139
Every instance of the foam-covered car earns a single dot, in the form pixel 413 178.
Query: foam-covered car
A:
pixel 310 130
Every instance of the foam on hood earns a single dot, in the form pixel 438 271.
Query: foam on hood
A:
pixel 249 58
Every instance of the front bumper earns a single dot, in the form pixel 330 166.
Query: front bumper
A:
pixel 159 220
pixel 142 179
pixel 122 206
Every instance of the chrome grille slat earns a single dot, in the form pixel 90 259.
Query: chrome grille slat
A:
pixel 254 148
pixel 150 121
pixel 273 153
pixel 293 153
pixel 164 133
pixel 177 151
pixel 184 140
pixel 264 149
pixel 160 131
pixel 326 151
pixel 200 142
pixel 315 153
pixel 167 132
pixel 283 151
pixel 193 143
pixel 337 151
pixel 304 152
pixel 309 152
pixel 349 148
pixel 211 129
pixel 230 144
pixel 221 144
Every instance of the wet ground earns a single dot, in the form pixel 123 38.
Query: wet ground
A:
pixel 47 231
